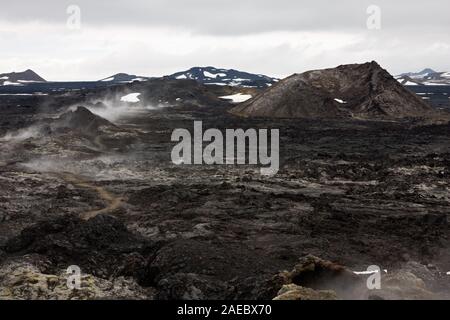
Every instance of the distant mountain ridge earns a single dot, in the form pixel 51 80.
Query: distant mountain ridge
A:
pixel 203 75
pixel 124 78
pixel 20 78
pixel 420 74
pixel 427 77
pixel 207 76
pixel 228 77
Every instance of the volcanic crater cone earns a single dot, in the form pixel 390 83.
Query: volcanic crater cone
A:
pixel 82 120
pixel 357 90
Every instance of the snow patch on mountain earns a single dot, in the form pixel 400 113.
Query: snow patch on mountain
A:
pixel 214 75
pixel 9 83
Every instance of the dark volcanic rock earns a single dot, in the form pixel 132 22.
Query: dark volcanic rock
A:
pixel 357 193
pixel 357 90
pixel 157 92
pixel 315 273
pixel 82 120
pixel 182 286
pixel 216 270
pixel 101 246
pixel 176 92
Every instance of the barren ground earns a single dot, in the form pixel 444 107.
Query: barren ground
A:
pixel 357 193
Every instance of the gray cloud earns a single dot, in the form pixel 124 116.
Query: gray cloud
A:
pixel 237 17
pixel 156 37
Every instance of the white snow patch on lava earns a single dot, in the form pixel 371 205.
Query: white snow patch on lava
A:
pixel 132 97
pixel 340 101
pixel 237 98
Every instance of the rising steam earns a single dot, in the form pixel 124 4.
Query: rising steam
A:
pixel 116 108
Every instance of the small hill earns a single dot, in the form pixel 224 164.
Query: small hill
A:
pixel 124 78
pixel 357 90
pixel 20 78
pixel 83 121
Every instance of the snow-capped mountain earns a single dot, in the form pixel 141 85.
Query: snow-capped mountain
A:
pixel 222 77
pixel 124 78
pixel 20 78
pixel 420 74
pixel 427 77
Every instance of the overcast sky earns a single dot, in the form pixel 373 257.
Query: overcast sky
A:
pixel 274 37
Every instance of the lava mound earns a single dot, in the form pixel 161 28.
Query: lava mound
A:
pixel 101 246
pixel 82 120
pixel 364 91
